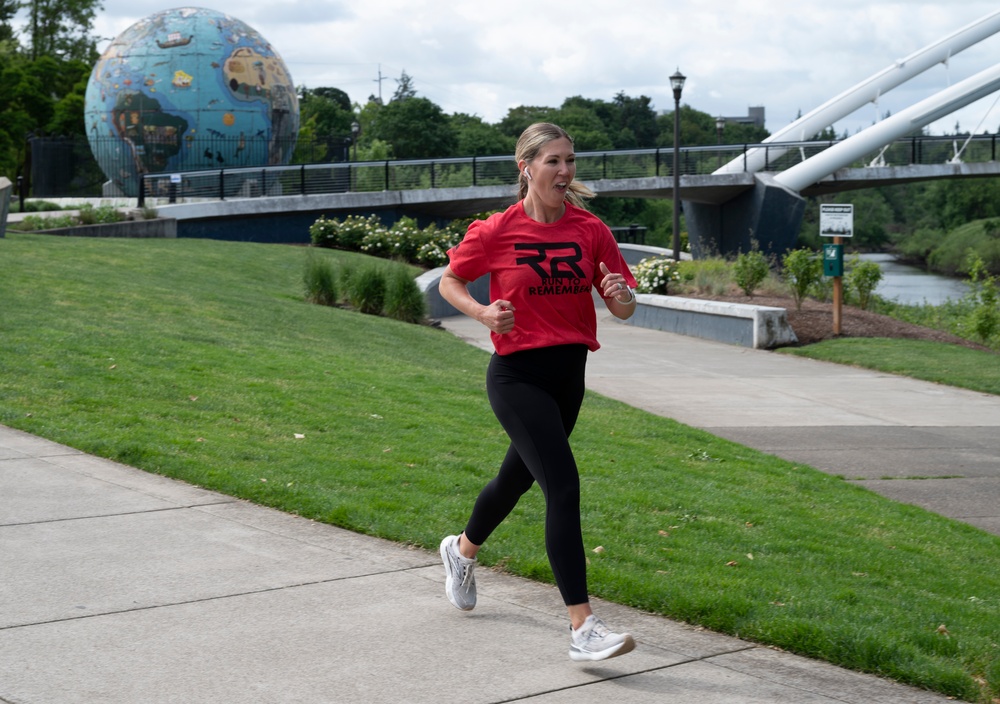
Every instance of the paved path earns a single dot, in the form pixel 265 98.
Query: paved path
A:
pixel 120 586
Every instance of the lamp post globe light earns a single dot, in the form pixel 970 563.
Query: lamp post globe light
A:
pixel 677 83
pixel 355 131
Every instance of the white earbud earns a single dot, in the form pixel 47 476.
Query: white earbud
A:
pixel 527 174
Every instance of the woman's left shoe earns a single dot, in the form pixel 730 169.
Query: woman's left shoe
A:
pixel 595 641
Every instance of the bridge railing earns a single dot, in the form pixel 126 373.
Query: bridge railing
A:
pixel 462 172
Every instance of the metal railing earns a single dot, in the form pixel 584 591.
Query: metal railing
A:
pixel 462 172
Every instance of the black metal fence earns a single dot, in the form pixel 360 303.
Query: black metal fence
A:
pixel 78 167
pixel 66 167
pixel 310 179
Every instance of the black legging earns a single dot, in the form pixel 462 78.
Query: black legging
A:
pixel 536 396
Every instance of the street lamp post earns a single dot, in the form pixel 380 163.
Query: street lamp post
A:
pixel 720 124
pixel 355 131
pixel 677 83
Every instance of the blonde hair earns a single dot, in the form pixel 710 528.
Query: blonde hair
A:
pixel 529 144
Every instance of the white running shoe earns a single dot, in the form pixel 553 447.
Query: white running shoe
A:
pixel 460 585
pixel 594 641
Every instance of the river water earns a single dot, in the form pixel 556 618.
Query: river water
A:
pixel 910 284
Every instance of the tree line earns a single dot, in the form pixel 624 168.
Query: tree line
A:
pixel 409 126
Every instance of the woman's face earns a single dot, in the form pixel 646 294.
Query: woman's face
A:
pixel 552 170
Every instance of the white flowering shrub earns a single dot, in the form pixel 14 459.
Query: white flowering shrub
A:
pixel 655 275
pixel 404 241
pixel 432 255
pixel 323 232
pixel 399 242
pixel 354 229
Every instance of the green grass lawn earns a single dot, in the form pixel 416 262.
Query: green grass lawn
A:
pixel 939 362
pixel 200 360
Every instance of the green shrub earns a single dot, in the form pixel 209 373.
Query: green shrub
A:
pixel 750 270
pixel 712 276
pixel 34 206
pixel 403 298
pixel 42 222
pixel 320 280
pixel 983 322
pixel 102 214
pixel 862 279
pixel 365 289
pixel 802 270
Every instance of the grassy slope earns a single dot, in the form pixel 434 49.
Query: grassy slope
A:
pixel 199 360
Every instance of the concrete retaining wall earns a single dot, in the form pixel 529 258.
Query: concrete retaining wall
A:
pixel 437 307
pixel 760 327
pixel 161 227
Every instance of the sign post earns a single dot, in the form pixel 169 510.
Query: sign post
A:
pixel 837 221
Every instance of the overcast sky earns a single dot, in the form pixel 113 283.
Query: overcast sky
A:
pixel 483 57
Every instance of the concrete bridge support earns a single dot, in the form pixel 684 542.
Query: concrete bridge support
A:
pixel 769 214
pixel 6 189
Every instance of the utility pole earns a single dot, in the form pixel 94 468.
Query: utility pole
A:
pixel 379 81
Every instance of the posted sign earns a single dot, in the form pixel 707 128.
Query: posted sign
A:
pixel 836 220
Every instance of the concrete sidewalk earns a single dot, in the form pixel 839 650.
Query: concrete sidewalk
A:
pixel 121 586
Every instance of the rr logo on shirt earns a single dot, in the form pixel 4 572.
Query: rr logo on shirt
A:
pixel 563 259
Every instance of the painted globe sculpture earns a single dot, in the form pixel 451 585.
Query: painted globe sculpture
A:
pixel 189 89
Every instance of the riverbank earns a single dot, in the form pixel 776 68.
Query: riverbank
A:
pixel 908 283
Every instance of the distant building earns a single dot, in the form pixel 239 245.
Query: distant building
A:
pixel 754 116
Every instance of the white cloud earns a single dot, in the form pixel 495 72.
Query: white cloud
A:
pixel 483 58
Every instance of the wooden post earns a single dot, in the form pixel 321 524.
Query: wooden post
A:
pixel 838 295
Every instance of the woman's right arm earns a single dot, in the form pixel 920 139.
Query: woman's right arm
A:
pixel 498 316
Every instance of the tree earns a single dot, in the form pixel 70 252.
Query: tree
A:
pixel 416 128
pixel 739 133
pixel 518 119
pixel 339 97
pixel 8 9
pixel 404 88
pixel 957 201
pixel 634 121
pixel 872 217
pixel 62 28
pixel 325 118
pixel 585 127
pixel 477 138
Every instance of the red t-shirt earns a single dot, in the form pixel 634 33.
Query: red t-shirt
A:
pixel 546 271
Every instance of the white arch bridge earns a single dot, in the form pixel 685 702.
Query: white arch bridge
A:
pixel 732 194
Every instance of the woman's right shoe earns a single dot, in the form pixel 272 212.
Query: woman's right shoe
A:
pixel 460 582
